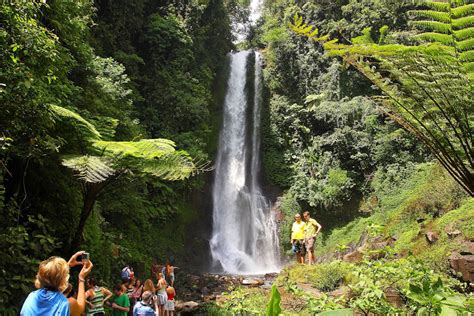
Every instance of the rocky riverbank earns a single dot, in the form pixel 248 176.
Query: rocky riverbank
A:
pixel 194 290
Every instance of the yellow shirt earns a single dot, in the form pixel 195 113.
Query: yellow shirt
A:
pixel 297 230
pixel 310 228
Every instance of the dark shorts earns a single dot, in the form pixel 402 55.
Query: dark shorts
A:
pixel 298 247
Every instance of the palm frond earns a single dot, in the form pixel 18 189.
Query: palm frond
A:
pixel 90 169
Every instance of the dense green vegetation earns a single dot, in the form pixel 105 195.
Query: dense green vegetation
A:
pixel 106 106
pixel 90 93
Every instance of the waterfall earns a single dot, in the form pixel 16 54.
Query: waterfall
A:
pixel 244 237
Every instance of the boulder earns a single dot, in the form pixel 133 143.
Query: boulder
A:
pixel 431 237
pixel 454 233
pixel 463 265
pixel 252 282
pixel 186 307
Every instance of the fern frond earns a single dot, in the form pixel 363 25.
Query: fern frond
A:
pixel 173 166
pixel 91 169
pixel 106 126
pixel 466 44
pixel 78 121
pixel 469 67
pixel 460 2
pixel 304 29
pixel 463 10
pixel 463 22
pixel 436 37
pixel 464 33
pixel 365 38
pixel 467 56
pixel 433 26
pixel 443 17
pixel 439 6
pixel 144 148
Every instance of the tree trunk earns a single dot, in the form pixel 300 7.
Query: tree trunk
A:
pixel 92 190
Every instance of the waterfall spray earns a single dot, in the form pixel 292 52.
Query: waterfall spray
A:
pixel 244 239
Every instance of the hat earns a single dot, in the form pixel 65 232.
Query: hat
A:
pixel 147 297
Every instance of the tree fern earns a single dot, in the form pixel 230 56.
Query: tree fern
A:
pixel 144 148
pixel 90 169
pixel 450 23
pixel 76 120
pixel 157 157
pixel 427 89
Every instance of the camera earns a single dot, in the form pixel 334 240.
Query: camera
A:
pixel 83 258
pixel 154 298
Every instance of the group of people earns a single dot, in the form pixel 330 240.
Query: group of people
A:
pixel 56 296
pixel 303 237
pixel 133 297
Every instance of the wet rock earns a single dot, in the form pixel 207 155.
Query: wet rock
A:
pixel 252 282
pixel 205 291
pixel 270 276
pixel 186 307
pixel 431 237
pixel 463 265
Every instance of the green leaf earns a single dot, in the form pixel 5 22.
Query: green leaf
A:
pixel 273 307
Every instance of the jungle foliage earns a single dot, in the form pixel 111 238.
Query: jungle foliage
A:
pixel 427 89
pixel 91 93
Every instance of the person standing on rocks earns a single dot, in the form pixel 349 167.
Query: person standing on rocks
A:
pixel 311 230
pixel 297 238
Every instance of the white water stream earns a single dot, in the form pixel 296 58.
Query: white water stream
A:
pixel 244 237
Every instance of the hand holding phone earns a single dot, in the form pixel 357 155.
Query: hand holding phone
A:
pixel 84 257
pixel 74 261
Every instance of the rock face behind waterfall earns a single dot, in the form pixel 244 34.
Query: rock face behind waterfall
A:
pixel 244 238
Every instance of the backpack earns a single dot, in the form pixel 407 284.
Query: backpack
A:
pixel 125 274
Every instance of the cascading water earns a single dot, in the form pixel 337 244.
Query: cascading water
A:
pixel 244 238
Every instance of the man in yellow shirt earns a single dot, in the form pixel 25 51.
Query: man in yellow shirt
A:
pixel 297 238
pixel 311 230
